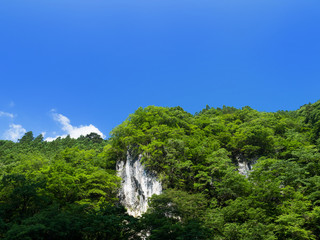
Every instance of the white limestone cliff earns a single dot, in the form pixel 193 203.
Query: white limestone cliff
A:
pixel 138 184
pixel 245 165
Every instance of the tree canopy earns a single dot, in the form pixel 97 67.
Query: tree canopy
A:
pixel 67 188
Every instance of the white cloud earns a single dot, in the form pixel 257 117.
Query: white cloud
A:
pixel 5 114
pixel 73 131
pixel 50 139
pixel 14 133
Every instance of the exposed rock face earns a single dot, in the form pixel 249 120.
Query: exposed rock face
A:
pixel 138 184
pixel 245 165
pixel 244 168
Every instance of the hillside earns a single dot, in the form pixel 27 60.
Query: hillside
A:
pixel 68 188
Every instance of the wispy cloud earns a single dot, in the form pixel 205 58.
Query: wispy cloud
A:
pixel 14 133
pixel 73 131
pixel 6 114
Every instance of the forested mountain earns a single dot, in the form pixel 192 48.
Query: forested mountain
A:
pixel 67 188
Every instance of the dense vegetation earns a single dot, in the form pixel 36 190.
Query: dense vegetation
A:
pixel 67 189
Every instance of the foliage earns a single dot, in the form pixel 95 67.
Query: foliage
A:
pixel 67 188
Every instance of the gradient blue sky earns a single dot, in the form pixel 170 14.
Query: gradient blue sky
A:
pixel 97 61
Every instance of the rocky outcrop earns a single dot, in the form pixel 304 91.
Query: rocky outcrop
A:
pixel 245 165
pixel 138 184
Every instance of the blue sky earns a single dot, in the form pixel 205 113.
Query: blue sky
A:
pixel 68 66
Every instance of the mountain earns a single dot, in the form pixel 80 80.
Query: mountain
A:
pixel 222 173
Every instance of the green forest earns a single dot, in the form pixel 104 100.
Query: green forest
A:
pixel 67 188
